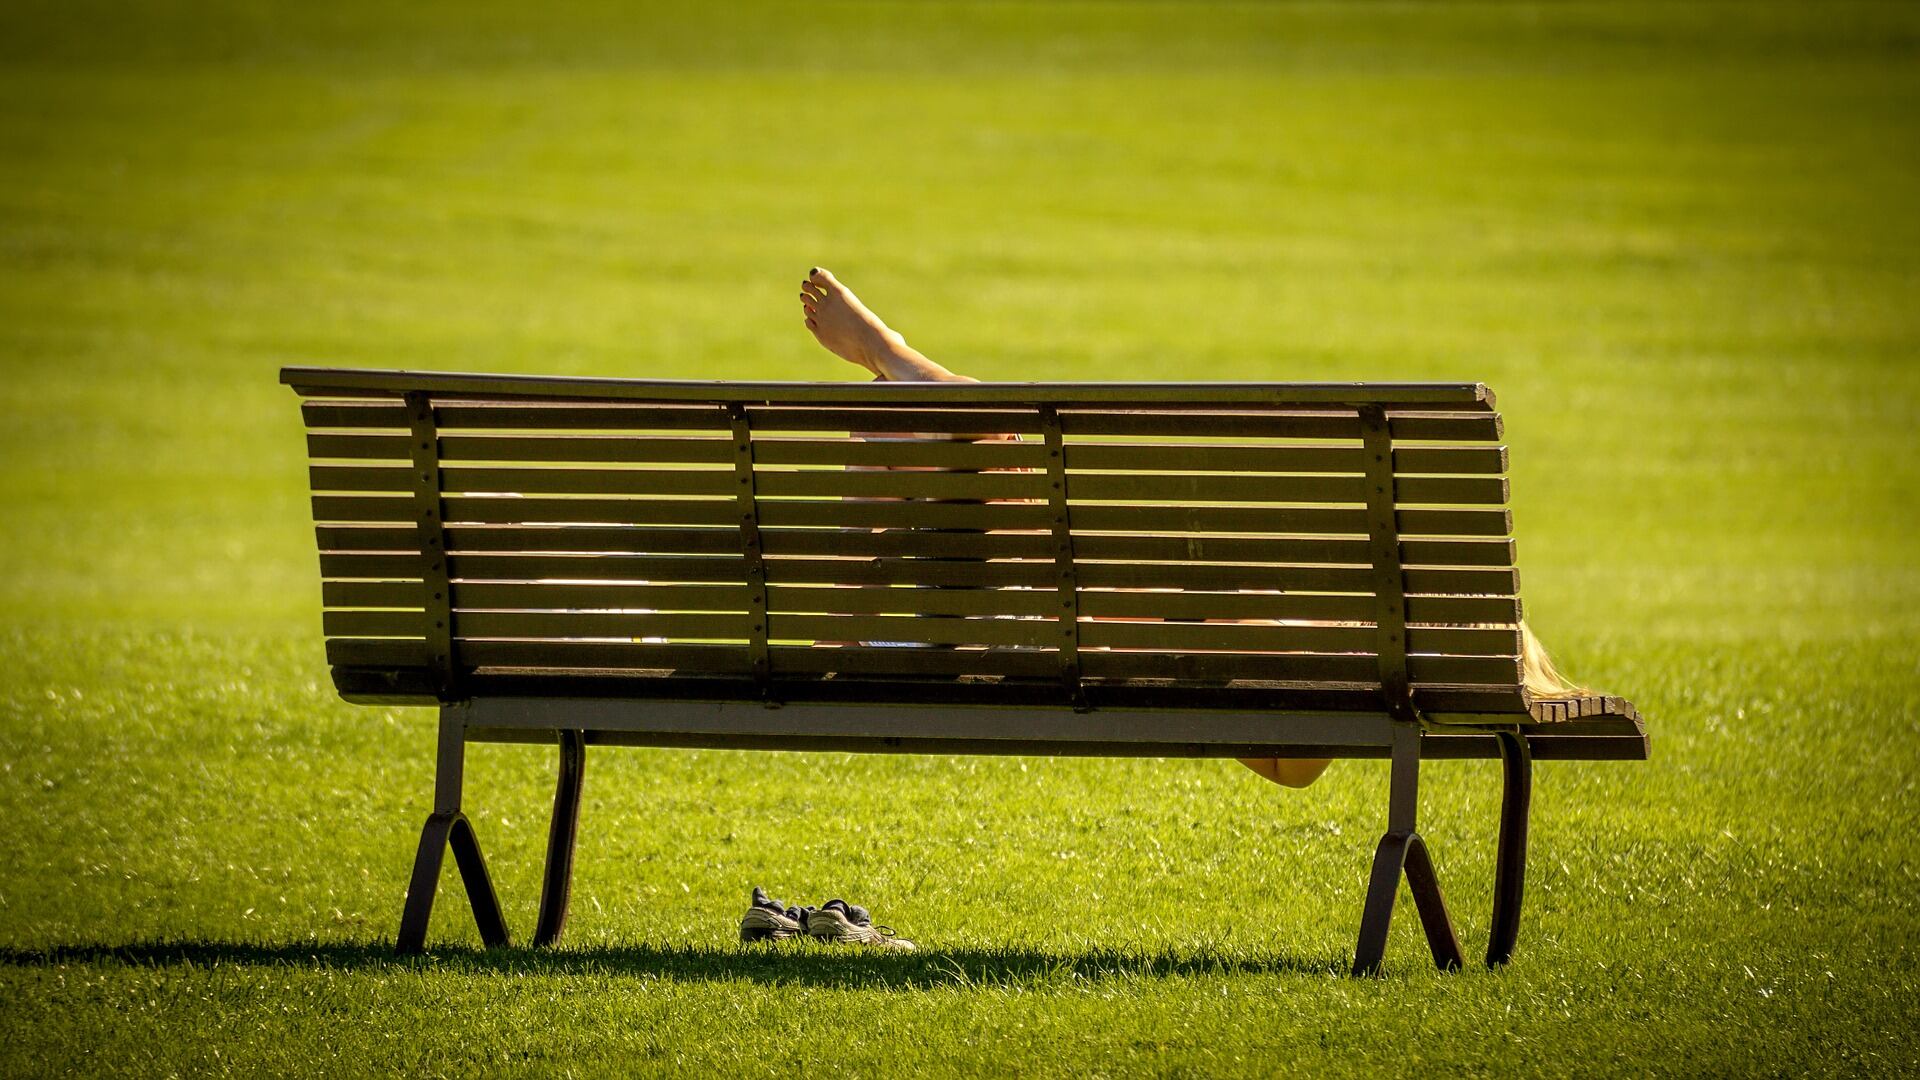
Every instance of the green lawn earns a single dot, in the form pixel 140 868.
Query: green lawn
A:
pixel 1681 241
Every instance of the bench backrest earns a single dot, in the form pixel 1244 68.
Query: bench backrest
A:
pixel 1321 539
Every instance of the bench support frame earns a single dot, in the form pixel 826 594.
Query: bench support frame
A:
pixel 448 826
pixel 1402 851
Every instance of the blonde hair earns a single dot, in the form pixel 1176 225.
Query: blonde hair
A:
pixel 1537 672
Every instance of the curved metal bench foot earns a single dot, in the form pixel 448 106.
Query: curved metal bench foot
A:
pixel 1510 873
pixel 556 887
pixel 444 829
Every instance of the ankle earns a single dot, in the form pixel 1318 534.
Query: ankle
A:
pixel 883 352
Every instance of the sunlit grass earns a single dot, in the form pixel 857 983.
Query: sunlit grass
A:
pixel 1680 242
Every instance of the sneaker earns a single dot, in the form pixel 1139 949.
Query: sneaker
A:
pixel 837 920
pixel 769 920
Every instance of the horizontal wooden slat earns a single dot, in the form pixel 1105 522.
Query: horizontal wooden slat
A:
pixel 893 513
pixel 601 448
pixel 1479 460
pixel 1177 487
pixel 920 543
pixel 716 659
pixel 1258 637
pixel 1210 487
pixel 880 600
pixel 360 478
pixel 589 481
pixel 598 624
pixel 863 660
pixel 902 420
pixel 1460 427
pixel 1295 667
pixel 550 481
pixel 1444 427
pixel 487 416
pixel 1283 519
pixel 521 416
pixel 1410 426
pixel 900 484
pixel 1220 577
pixel 535 567
pixel 354 414
pixel 952 631
pixel 1292 606
pixel 915 453
pixel 589 596
pixel 394 624
pixel 696 540
pixel 1427 671
pixel 965 573
pixel 1286 550
pixel 388 447
pixel 1213 457
pixel 363 508
pixel 1164 636
pixel 494 510
pixel 377 652
pixel 584 448
pixel 367 538
pixel 354 565
pixel 372 594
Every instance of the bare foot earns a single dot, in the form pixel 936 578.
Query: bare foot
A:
pixel 847 329
pixel 843 325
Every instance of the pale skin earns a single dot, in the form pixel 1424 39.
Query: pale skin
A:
pixel 851 331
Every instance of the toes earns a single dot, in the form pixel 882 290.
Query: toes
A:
pixel 810 291
pixel 821 279
pixel 811 325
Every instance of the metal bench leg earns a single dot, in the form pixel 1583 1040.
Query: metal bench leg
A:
pixel 1441 939
pixel 1402 850
pixel 448 827
pixel 426 880
pixel 1388 860
pixel 556 888
pixel 1510 875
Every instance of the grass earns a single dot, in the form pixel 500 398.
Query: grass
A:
pixel 1680 241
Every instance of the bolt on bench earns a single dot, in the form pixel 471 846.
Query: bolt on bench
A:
pixel 1295 570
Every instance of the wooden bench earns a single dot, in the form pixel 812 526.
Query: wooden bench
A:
pixel 1193 569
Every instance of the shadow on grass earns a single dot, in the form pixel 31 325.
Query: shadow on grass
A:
pixel 793 963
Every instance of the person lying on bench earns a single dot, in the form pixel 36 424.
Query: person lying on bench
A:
pixel 848 329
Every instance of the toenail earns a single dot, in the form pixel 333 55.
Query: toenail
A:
pixel 813 271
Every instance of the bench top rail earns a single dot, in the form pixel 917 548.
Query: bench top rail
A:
pixel 314 382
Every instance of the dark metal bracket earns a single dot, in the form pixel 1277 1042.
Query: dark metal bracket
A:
pixel 1064 575
pixel 1389 585
pixel 751 547
pixel 437 597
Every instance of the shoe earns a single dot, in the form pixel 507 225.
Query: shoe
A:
pixel 837 920
pixel 769 920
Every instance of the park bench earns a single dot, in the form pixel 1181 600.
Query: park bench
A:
pixel 1290 570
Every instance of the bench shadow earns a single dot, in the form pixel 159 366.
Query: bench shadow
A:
pixel 801 963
